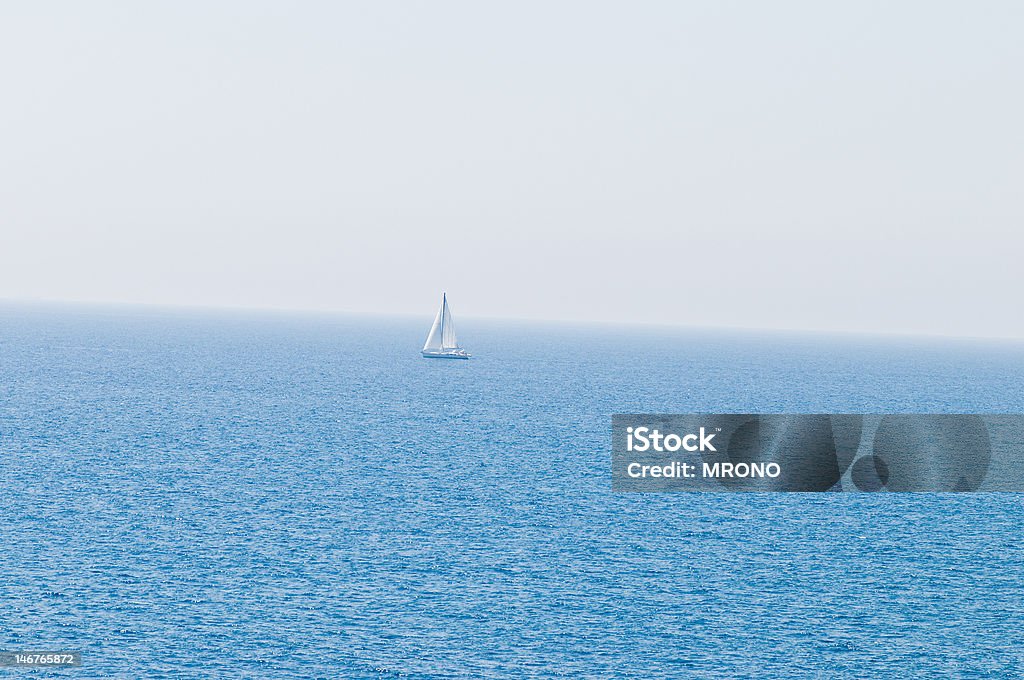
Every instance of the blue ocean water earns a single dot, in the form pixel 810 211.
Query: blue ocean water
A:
pixel 200 494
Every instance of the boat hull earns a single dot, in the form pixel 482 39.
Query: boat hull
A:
pixel 445 354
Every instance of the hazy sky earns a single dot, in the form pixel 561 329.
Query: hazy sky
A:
pixel 840 166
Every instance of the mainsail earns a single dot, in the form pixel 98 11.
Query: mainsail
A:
pixel 442 333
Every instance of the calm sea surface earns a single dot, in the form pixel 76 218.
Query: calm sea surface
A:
pixel 189 494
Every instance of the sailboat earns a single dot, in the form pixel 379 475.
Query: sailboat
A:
pixel 441 341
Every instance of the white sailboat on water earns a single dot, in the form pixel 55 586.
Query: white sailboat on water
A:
pixel 441 341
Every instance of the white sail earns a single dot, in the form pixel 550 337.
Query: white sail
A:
pixel 434 336
pixel 448 339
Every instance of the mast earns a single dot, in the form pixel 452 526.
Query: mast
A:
pixel 444 303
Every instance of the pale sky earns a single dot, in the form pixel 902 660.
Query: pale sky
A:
pixel 834 166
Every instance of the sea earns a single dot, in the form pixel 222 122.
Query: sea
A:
pixel 232 494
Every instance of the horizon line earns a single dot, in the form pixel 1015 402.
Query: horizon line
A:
pixel 320 311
